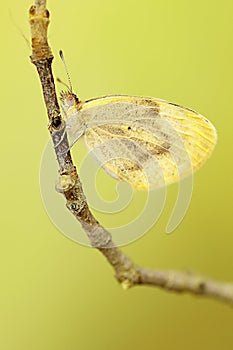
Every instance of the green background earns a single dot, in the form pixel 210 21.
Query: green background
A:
pixel 56 294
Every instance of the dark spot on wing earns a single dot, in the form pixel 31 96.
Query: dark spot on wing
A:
pixel 114 130
pixel 148 103
pixel 160 150
pixel 166 146
pixel 131 166
pixel 154 149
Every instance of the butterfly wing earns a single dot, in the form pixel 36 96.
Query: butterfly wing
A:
pixel 146 141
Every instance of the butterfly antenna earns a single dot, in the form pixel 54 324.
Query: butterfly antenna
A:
pixel 66 69
pixel 62 82
pixel 19 29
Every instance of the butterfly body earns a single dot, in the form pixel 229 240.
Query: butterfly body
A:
pixel 145 141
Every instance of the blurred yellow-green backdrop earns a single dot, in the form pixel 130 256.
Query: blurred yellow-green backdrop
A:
pixel 57 294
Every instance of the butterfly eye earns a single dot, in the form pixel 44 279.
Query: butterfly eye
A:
pixel 70 100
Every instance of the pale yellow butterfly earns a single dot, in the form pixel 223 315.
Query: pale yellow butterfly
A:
pixel 137 138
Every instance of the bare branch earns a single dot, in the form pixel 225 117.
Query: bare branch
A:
pixel 186 282
pixel 126 272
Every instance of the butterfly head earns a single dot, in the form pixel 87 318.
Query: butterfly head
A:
pixel 69 101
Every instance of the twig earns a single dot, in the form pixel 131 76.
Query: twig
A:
pixel 126 272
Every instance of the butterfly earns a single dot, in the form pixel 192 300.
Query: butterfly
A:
pixel 144 141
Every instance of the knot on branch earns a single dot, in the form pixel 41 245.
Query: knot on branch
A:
pixel 65 182
pixel 38 10
pixel 39 21
pixel 128 278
